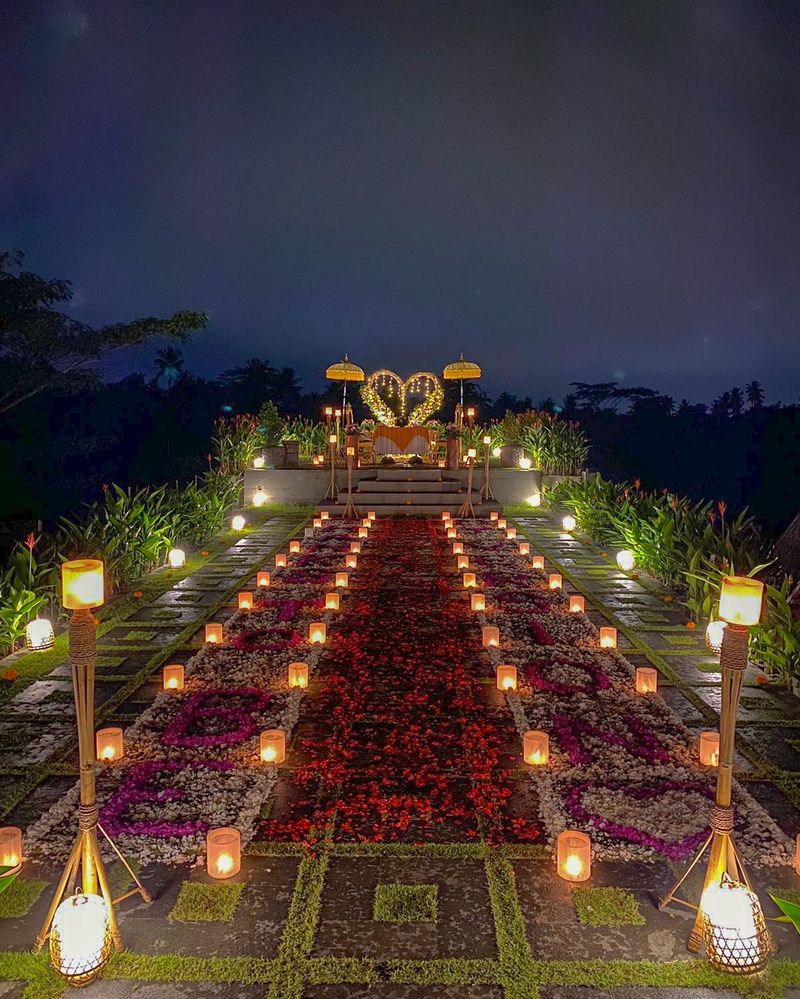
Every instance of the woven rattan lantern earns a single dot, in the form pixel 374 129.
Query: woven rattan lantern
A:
pixel 11 848
pixel 172 677
pixel 80 938
pixel 536 748
pixel 646 680
pixel 626 560
pixel 213 633
pixel 734 932
pixel 109 744
pixel 608 638
pixel 554 581
pixel 477 601
pixel 569 523
pixel 577 604
pixel 506 677
pixel 272 746
pixel 317 633
pixel 574 855
pixel 298 675
pixel 709 748
pixel 238 523
pixel 714 635
pixel 39 635
pixel 223 852
pixel 490 636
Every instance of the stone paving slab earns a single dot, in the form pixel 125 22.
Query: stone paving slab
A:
pixel 631 992
pixel 169 990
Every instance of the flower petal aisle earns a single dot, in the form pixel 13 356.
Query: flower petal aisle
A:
pixel 403 743
pixel 623 767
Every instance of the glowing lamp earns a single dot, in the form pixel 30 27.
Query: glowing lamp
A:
pixel 441 463
pixel 39 635
pixel 333 439
pixel 317 633
pixel 172 677
pixel 351 452
pixel 245 599
pixel 223 852
pixel 458 547
pixel 108 744
pixel 281 560
pixel 536 748
pixel 316 522
pixel 740 600
pixel 625 560
pixel 298 673
pixel 238 522
pixel 80 938
pixel 11 848
pixel 262 578
pixel 363 533
pixel 502 524
pixel 82 584
pixel 259 496
pixel 462 562
pixel 259 461
pixel 325 515
pixel 714 633
pixel 554 581
pixel 709 748
pixel 445 515
pixel 272 746
pixel 355 547
pixel 472 454
pixel 577 604
pixel 494 515
pixel 477 601
pixel 332 600
pixel 351 561
pixel 535 499
pixel 537 562
pixel 496 452
pixel 506 677
pixel 294 547
pixel 574 855
pixel 371 516
pixel 213 634
pixel 176 558
pixel 487 440
pixel 734 931
pixel 328 411
pixel 569 523
pixel 525 462
pixel 524 548
pixel 608 638
pixel 490 636
pixel 646 680
pixel 469 580
pixel 470 412
pixel 452 533
pixel 366 522
pixel 342 580
pixel 511 534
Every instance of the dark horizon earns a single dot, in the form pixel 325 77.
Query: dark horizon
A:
pixel 565 192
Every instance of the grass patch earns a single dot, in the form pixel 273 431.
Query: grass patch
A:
pixel 20 897
pixel 396 903
pixel 607 907
pixel 201 903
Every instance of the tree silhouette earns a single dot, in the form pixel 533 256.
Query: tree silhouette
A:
pixel 754 391
pixel 169 366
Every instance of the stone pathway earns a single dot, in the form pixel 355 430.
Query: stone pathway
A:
pixel 304 923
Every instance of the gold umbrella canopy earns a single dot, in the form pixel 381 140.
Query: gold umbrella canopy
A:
pixel 345 371
pixel 462 371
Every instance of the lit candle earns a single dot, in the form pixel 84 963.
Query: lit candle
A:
pixel 11 848
pixel 608 638
pixel 709 748
pixel 477 601
pixel 458 547
pixel 316 522
pixel 363 532
pixel 506 676
pixel 317 633
pixel 298 673
pixel 272 745
pixel 490 636
pixel 280 560
pixel 511 534
pixel 554 581
pixel 223 852
pixel 332 600
pixel 351 561
pixel 574 855
pixel 262 579
pixel 245 600
pixel 355 547
pixel 537 562
pixel 462 562
pixel 646 680
pixel 536 748
pixel 172 677
pixel 469 580
pixel 108 742
pixel 294 547
pixel 213 634
pixel 524 548
pixel 176 558
pixel 494 515
pixel 341 580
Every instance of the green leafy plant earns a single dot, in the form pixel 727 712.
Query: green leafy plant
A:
pixel 270 428
pixel 235 442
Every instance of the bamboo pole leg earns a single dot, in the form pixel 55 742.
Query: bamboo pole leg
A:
pixel 66 874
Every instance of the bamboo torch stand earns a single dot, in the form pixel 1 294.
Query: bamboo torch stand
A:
pixel 723 857
pixel 84 859
pixel 333 487
pixel 350 509
pixel 486 489
pixel 467 510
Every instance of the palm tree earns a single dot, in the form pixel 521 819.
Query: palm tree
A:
pixel 169 366
pixel 755 394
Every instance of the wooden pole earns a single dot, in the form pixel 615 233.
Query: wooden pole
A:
pixel 467 509
pixel 350 509
pixel 486 489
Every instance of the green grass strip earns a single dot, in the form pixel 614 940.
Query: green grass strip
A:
pixel 20 897
pixel 183 968
pixel 512 942
pixel 339 970
pixel 445 971
pixel 202 903
pixel 403 903
pixel 607 907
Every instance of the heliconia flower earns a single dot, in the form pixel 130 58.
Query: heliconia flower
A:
pixel 31 541
pixel 722 506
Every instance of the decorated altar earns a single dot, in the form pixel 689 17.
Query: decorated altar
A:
pixel 401 440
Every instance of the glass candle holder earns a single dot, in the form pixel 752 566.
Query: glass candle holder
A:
pixel 316 522
pixel 554 581
pixel 469 580
pixel 342 580
pixel 494 516
pixel 213 633
pixel 537 562
pixel 355 547
pixel 574 856
pixel 298 675
pixel 272 746
pixel 280 560
pixel 536 748
pixel 262 579
pixel 294 547
pixel 608 638
pixel 506 677
pixel 351 561
pixel 577 603
pixel 490 636
pixel 462 562
pixel 502 524
pixel 524 548
pixel 458 547
pixel 245 600
pixel 317 633
pixel 11 848
pixel 172 677
pixel 223 852
pixel 332 600
pixel 108 744
pixel 511 534
pixel 363 533
pixel 646 680
pixel 709 748
pixel 477 601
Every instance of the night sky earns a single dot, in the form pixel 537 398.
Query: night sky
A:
pixel 564 191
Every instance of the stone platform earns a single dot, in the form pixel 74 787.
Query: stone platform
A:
pixel 412 492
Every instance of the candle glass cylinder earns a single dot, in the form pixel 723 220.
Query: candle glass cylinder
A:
pixel 223 852
pixel 574 855
pixel 108 744
pixel 536 748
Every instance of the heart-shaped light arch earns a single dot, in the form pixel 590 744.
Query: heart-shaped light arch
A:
pixel 420 382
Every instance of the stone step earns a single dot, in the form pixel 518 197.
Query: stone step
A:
pixel 389 474
pixel 411 510
pixel 425 499
pixel 408 485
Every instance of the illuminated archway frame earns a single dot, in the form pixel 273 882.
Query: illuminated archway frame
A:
pixel 420 382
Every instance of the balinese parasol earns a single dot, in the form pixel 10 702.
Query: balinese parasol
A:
pixel 461 371
pixel 345 371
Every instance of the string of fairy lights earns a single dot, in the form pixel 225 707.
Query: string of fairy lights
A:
pixel 386 384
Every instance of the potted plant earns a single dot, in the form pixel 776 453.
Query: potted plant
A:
pixel 510 432
pixel 270 431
